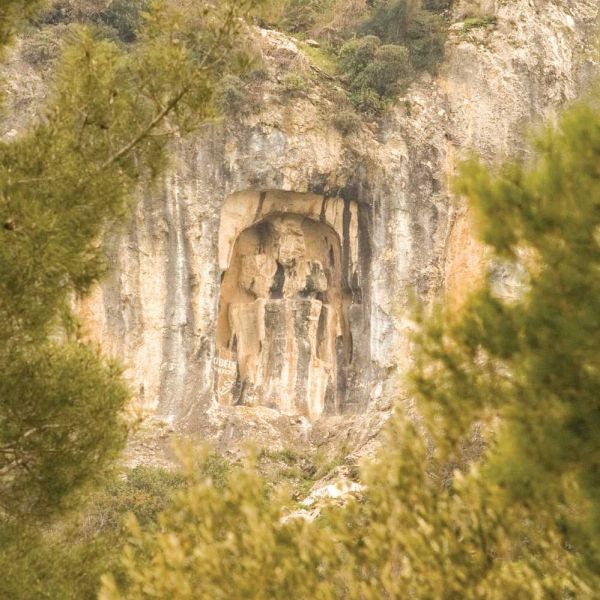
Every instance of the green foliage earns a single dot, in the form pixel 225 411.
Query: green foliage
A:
pixel 218 543
pixel 43 46
pixel 399 39
pixel 406 23
pixel 426 40
pixel 230 97
pixel 236 96
pixel 411 535
pixel 323 58
pixel 215 468
pixel 391 20
pixel 300 15
pixel 521 523
pixel 38 566
pixel 390 41
pixel 125 17
pixel 368 101
pixel 387 73
pixel 121 17
pixel 287 468
pixel 378 47
pixel 110 114
pixel 63 182
pixel 67 560
pixel 294 85
pixel 287 455
pixel 293 16
pixel 144 492
pixel 428 537
pixel 437 5
pixel 54 398
pixel 476 22
pixel 537 357
pixel 256 74
pixel 374 71
pixel 356 55
pixel 13 13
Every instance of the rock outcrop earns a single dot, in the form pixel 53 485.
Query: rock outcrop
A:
pixel 273 270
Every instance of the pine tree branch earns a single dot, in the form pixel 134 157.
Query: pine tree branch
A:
pixel 173 103
pixel 209 57
pixel 125 150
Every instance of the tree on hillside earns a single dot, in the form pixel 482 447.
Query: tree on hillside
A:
pixel 519 522
pixel 111 112
pixel 534 362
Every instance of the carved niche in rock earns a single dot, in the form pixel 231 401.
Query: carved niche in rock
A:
pixel 283 336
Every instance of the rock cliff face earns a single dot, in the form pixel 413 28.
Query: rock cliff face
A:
pixel 262 290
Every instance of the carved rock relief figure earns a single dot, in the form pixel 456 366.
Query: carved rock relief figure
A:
pixel 283 337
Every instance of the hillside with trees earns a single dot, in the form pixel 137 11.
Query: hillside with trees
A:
pixel 487 488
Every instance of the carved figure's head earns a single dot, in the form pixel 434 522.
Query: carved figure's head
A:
pixel 289 240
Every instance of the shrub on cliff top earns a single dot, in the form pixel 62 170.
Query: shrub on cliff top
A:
pixel 399 39
pixel 372 69
pixel 406 23
pixel 388 72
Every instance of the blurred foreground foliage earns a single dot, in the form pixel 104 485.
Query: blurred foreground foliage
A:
pixel 522 520
pixel 65 180
pixel 66 559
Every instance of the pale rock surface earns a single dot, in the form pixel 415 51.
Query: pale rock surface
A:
pixel 333 492
pixel 382 193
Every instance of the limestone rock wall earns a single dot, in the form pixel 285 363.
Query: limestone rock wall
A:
pixel 159 311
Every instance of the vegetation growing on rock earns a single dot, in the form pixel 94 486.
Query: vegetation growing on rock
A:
pixel 67 559
pixel 110 113
pixel 107 123
pixel 347 121
pixel 476 22
pixel 378 50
